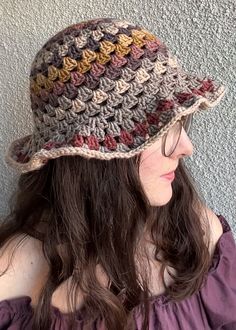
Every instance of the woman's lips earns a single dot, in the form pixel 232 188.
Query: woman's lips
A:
pixel 170 176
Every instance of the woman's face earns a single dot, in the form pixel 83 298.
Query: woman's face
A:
pixel 153 165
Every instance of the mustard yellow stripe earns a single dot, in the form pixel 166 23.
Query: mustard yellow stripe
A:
pixel 103 58
pixel 48 85
pixel 138 42
pixel 69 63
pixel 89 55
pixel 40 79
pixel 83 66
pixel 52 72
pixel 122 50
pixel 34 87
pixel 106 47
pixel 148 35
pixel 63 75
pixel 124 40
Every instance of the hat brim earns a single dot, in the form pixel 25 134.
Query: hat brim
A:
pixel 40 158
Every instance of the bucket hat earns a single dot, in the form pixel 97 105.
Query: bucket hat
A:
pixel 106 88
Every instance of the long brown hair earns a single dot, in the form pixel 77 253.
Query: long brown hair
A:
pixel 98 211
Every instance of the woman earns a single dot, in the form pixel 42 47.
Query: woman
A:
pixel 99 236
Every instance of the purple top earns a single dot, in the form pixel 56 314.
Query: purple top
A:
pixel 213 307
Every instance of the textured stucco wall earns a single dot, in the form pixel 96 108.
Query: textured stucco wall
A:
pixel 201 33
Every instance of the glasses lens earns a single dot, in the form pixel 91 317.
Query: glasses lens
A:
pixel 172 138
pixel 173 135
pixel 187 122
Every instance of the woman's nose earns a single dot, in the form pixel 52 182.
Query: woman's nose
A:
pixel 184 147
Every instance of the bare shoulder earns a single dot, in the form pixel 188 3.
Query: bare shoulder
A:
pixel 27 272
pixel 26 266
pixel 215 224
pixel 215 227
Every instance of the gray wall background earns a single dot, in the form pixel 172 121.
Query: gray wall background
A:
pixel 201 33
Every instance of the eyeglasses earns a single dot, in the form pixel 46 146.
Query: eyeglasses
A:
pixel 171 138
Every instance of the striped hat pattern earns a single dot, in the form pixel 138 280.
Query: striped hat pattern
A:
pixel 105 88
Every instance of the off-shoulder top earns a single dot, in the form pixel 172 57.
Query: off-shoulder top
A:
pixel 212 307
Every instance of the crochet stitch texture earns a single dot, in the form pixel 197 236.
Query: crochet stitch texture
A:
pixel 99 87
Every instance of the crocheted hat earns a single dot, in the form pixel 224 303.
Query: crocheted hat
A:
pixel 105 88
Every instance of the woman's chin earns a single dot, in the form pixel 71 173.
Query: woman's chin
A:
pixel 161 199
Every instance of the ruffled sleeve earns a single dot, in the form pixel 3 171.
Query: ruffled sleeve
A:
pixel 16 314
pixel 219 294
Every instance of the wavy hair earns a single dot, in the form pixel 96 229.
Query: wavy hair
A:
pixel 96 212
